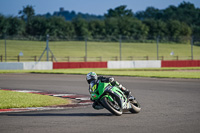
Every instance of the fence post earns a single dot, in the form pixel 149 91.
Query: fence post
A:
pixel 5 49
pixel 52 58
pixel 35 58
pixel 100 58
pixel 131 57
pixel 85 58
pixel 18 58
pixel 116 58
pixel 85 49
pixel 1 58
pixel 192 48
pixel 162 57
pixel 147 57
pixel 120 47
pixel 68 58
pixel 157 42
pixel 47 45
pixel 176 57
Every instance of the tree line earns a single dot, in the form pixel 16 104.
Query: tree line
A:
pixel 183 20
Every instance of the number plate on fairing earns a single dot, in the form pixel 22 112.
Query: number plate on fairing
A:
pixel 127 105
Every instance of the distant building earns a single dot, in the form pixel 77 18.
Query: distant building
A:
pixel 62 9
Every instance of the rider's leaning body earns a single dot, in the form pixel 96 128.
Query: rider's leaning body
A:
pixel 93 79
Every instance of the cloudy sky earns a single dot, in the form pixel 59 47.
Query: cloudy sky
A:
pixel 97 7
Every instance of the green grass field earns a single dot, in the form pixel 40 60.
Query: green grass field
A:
pixel 11 99
pixel 106 50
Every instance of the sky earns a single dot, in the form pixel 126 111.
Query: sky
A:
pixel 96 7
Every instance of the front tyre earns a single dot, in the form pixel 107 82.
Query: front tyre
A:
pixel 135 106
pixel 114 108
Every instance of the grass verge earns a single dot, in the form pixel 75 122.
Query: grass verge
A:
pixel 189 72
pixel 11 99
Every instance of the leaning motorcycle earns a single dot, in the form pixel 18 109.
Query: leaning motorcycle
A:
pixel 113 99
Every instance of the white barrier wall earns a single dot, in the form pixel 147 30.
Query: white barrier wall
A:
pixel 148 64
pixel 120 64
pixel 26 65
pixel 134 64
pixel 38 65
pixel 11 66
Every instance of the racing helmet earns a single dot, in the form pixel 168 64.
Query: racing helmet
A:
pixel 91 76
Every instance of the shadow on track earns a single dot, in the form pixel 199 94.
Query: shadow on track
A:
pixel 69 114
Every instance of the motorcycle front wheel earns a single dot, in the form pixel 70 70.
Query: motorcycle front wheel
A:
pixel 135 106
pixel 113 107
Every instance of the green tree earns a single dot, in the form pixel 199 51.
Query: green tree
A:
pixel 57 26
pixel 176 28
pixel 97 28
pixel 185 30
pixel 37 26
pixel 3 25
pixel 81 27
pixel 111 26
pixel 129 26
pixel 69 29
pixel 170 13
pixel 27 13
pixel 150 12
pixel 119 11
pixel 185 12
pixel 156 27
pixel 15 26
pixel 196 31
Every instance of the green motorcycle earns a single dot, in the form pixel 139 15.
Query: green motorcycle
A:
pixel 113 99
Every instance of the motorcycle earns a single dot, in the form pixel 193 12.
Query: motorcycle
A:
pixel 113 99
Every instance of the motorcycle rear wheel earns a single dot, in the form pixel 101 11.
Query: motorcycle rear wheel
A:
pixel 109 106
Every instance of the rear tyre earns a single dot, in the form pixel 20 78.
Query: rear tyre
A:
pixel 114 108
pixel 135 106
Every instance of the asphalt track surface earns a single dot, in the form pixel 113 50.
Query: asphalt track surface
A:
pixel 168 106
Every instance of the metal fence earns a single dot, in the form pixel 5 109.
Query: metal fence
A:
pixel 71 49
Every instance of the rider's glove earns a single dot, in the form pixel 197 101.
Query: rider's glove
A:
pixel 122 87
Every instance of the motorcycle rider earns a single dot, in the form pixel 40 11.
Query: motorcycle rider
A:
pixel 93 81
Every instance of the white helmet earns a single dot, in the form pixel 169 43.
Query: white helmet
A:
pixel 91 76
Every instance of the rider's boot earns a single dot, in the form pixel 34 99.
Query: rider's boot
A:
pixel 97 106
pixel 128 95
pixel 126 92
